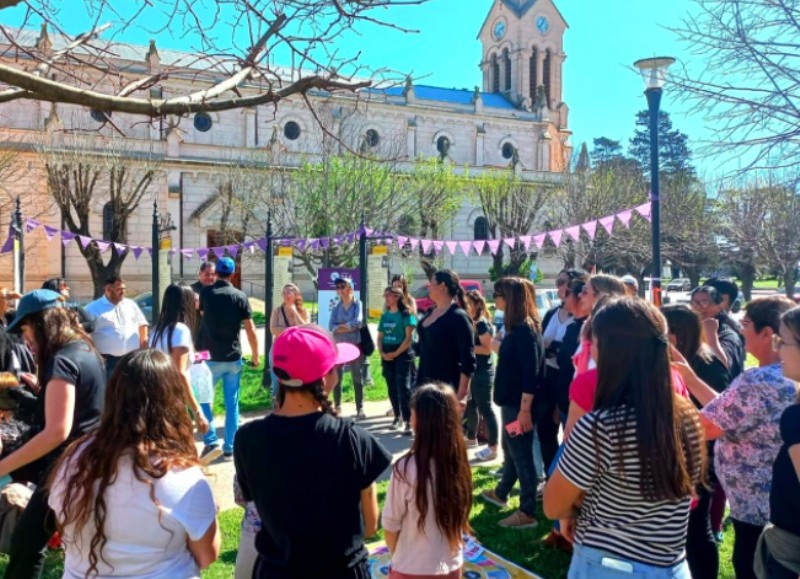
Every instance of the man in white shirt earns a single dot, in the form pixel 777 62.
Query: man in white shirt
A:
pixel 120 327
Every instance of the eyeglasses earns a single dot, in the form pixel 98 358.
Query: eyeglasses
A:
pixel 778 343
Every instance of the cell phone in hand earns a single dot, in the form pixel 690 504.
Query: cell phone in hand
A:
pixel 513 428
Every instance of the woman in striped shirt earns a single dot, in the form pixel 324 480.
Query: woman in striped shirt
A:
pixel 629 467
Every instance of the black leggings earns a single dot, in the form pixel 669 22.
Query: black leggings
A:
pixel 28 542
pixel 480 402
pixel 702 553
pixel 744 548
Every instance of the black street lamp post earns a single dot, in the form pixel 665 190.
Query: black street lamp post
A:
pixel 654 71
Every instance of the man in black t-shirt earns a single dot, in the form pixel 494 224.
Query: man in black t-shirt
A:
pixel 225 309
pixel 206 276
pixel 310 474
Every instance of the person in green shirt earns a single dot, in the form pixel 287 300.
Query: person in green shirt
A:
pixel 395 332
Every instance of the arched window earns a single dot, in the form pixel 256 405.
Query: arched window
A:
pixel 108 220
pixel 495 74
pixel 508 150
pixel 548 61
pixel 533 65
pixel 481 228
pixel 507 64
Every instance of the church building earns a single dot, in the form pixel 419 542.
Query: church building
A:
pixel 516 117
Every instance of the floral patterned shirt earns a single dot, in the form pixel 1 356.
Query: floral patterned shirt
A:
pixel 251 522
pixel 749 413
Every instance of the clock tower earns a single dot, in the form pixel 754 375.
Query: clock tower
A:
pixel 523 54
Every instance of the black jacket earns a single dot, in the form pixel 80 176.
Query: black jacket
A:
pixel 520 365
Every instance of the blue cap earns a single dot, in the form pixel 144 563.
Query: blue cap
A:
pixel 226 266
pixel 33 302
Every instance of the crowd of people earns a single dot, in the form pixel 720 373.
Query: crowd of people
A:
pixel 645 418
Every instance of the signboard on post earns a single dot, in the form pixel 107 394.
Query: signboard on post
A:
pixel 326 290
pixel 281 274
pixel 378 278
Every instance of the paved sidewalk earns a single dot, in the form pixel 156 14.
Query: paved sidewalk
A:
pixel 220 473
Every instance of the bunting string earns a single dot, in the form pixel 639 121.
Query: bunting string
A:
pixel 556 237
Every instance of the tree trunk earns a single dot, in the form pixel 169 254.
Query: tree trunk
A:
pixel 747 273
pixel 497 263
pixel 100 271
pixel 693 274
pixel 790 280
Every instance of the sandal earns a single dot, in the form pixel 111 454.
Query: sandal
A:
pixel 486 454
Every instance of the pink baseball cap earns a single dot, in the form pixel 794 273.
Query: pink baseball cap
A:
pixel 307 354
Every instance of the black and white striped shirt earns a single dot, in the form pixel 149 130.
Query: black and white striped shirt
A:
pixel 615 517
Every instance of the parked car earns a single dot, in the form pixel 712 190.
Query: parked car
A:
pixel 145 302
pixel 422 295
pixel 543 303
pixel 679 284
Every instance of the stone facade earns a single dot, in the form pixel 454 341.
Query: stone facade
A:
pixel 483 129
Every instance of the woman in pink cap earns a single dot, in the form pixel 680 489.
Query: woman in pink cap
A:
pixel 310 474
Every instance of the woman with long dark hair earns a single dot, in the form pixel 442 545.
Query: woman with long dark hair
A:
pixel 630 466
pixel 70 384
pixel 400 282
pixel 174 334
pixel 316 514
pixel 519 376
pixel 686 335
pixel 447 350
pixel 130 498
pixel 430 492
pixel 480 400
pixel 395 331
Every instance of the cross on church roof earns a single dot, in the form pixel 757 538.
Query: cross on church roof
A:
pixel 520 7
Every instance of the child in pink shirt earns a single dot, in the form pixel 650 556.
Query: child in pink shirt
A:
pixel 430 492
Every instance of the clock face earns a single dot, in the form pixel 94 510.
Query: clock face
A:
pixel 543 25
pixel 499 29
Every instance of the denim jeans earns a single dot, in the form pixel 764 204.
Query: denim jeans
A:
pixel 231 375
pixel 518 452
pixel 591 563
pixel 357 375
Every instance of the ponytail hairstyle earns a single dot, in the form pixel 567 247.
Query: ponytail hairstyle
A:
pixel 453 284
pixel 440 456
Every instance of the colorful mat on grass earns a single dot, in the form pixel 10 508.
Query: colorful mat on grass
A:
pixel 479 563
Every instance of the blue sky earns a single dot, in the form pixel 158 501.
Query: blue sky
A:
pixel 603 40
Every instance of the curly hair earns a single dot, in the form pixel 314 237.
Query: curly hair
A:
pixel 144 418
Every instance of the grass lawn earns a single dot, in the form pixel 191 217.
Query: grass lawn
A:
pixel 522 547
pixel 253 397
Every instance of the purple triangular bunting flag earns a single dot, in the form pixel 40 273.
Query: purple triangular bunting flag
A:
pixel 31 224
pixel 84 241
pixel 137 251
pixel 426 245
pixel 479 245
pixel 50 232
pixel 465 246
pixel 574 232
pixel 219 252
pixel 526 241
pixel 202 253
pixel 590 227
pixel 233 250
pixel 510 241
pixel 9 243
pixel 494 245
pixel 401 241
pixel 645 210
pixel 625 217
pixel 325 242
pixel 150 251
pixel 413 243
pixel 437 247
pixel 103 245
pixel 607 223
pixel 120 248
pixel 555 236
pixel 187 253
pixel 451 246
pixel 66 237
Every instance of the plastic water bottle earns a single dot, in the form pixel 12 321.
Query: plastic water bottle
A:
pixel 202 382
